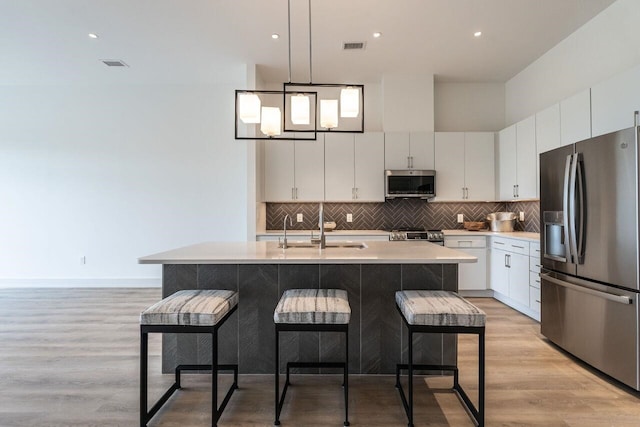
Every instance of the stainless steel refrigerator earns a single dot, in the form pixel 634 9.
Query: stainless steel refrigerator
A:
pixel 589 241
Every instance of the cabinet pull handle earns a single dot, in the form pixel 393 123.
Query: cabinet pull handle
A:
pixel 538 301
pixel 296 193
pixel 517 190
pixel 498 243
pixel 356 192
pixel 516 246
pixel 463 195
pixel 514 191
pixel 409 162
pixel 467 192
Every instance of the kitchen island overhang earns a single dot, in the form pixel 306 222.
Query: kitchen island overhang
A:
pixel 260 272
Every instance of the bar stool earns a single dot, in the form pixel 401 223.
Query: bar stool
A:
pixel 323 310
pixel 441 312
pixel 191 312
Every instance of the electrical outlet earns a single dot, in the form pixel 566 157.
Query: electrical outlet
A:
pixel 521 216
pixel 299 218
pixel 349 217
pixel 83 260
pixel 460 218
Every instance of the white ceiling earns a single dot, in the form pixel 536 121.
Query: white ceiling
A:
pixel 192 41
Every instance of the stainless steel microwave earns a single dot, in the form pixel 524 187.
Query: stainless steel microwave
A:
pixel 410 183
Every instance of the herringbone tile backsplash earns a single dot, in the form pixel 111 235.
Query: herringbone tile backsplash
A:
pixel 398 213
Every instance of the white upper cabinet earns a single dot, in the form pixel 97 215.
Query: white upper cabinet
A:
pixel 548 129
pixel 614 101
pixel 479 166
pixel 408 150
pixel 464 164
pixel 294 170
pixel 547 135
pixel 526 158
pixel 354 167
pixel 369 167
pixel 507 163
pixel 517 161
pixel 309 170
pixel 279 171
pixel 450 161
pixel 575 118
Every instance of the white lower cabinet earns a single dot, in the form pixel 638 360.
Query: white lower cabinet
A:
pixel 511 275
pixel 471 276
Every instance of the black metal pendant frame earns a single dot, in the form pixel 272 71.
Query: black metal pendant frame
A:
pixel 291 88
pixel 312 132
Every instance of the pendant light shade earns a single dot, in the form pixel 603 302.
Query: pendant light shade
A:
pixel 300 109
pixel 329 113
pixel 271 121
pixel 349 102
pixel 249 108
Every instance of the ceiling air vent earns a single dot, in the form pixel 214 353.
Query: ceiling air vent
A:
pixel 114 63
pixel 353 45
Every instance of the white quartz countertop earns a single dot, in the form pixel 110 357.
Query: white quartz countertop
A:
pixel 520 235
pixel 375 252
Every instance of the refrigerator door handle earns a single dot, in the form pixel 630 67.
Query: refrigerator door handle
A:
pixel 611 297
pixel 573 214
pixel 565 208
pixel 581 231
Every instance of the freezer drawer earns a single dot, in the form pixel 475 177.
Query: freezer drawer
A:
pixel 597 324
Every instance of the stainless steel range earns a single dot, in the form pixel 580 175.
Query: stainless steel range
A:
pixel 433 236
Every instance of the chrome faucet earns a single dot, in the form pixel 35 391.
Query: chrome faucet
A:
pixel 284 243
pixel 323 242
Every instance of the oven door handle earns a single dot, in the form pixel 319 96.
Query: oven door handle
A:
pixel 611 297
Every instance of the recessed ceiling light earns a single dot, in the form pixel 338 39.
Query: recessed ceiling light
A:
pixel 377 35
pixel 275 36
pixel 93 36
pixel 477 34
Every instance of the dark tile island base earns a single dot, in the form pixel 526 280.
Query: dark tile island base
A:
pixel 377 337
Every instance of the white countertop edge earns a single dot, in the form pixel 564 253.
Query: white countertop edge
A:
pixel 377 252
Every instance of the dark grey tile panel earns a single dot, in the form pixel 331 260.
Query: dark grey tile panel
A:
pixel 258 292
pixel 298 346
pixel 380 347
pixel 347 277
pixel 178 349
pixel 221 276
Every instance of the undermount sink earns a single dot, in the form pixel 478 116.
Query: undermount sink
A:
pixel 352 245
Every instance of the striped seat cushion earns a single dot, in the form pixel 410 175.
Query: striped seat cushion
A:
pixel 191 308
pixel 438 308
pixel 313 306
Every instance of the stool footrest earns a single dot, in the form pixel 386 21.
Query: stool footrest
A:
pixel 316 365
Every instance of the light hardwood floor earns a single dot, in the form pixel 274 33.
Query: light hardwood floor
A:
pixel 69 357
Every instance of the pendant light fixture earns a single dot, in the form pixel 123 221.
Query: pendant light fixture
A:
pixel 340 104
pixel 259 113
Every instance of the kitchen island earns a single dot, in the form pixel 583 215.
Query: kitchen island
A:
pixel 261 271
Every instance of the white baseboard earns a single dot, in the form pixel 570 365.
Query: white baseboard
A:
pixel 120 282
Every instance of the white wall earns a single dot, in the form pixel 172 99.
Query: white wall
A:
pixel 603 47
pixel 114 173
pixel 407 103
pixel 460 107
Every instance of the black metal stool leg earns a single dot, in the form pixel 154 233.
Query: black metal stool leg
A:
pixel 143 378
pixel 277 378
pixel 410 414
pixel 346 379
pixel 215 415
pixel 481 351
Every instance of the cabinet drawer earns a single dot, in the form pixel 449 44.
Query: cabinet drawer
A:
pixel 465 242
pixel 511 245
pixel 534 249
pixel 534 299
pixel 534 264
pixel 534 280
